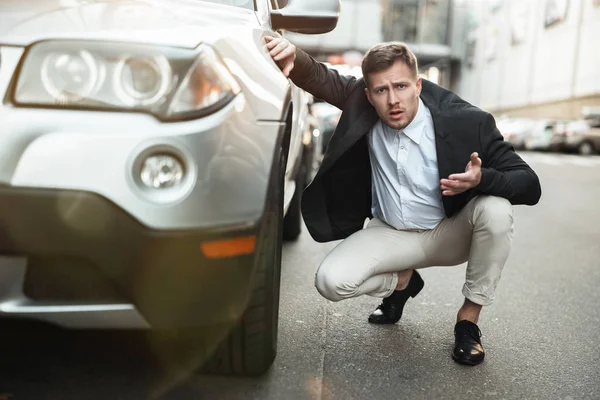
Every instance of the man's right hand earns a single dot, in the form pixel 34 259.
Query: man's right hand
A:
pixel 282 52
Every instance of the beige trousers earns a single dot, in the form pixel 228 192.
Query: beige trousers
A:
pixel 367 261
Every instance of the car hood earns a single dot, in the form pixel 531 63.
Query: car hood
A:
pixel 181 23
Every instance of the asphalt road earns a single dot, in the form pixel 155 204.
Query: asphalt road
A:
pixel 542 335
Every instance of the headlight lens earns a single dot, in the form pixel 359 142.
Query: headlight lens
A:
pixel 142 81
pixel 170 83
pixel 70 76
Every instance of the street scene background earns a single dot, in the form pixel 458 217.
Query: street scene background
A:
pixel 540 336
pixel 535 65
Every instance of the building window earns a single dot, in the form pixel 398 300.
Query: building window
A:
pixel 416 21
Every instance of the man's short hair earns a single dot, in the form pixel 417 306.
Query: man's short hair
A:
pixel 382 56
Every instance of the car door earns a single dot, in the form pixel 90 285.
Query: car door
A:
pixel 300 101
pixel 594 135
pixel 548 132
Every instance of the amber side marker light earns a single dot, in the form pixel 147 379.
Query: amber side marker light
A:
pixel 229 247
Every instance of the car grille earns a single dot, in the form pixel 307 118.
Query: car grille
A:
pixel 65 279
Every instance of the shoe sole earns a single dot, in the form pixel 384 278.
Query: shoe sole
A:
pixel 467 361
pixel 383 322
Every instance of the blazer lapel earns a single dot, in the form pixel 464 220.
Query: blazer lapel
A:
pixel 444 148
pixel 359 129
pixel 443 145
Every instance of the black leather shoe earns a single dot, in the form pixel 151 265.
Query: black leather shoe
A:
pixel 390 310
pixel 467 347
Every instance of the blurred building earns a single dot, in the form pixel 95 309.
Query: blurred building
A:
pixel 528 58
pixel 521 58
pixel 359 27
pixel 424 25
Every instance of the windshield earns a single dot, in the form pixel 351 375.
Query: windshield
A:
pixel 248 4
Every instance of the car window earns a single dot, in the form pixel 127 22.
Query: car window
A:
pixel 249 4
pixel 277 4
pixel 578 126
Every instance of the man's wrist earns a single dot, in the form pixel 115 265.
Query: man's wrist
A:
pixel 479 180
pixel 298 74
pixel 487 176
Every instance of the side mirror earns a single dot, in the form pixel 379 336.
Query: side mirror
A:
pixel 307 16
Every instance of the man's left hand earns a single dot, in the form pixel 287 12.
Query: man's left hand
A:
pixel 459 183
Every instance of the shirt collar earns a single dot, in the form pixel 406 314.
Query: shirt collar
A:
pixel 415 129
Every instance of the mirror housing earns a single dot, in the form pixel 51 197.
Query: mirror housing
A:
pixel 307 16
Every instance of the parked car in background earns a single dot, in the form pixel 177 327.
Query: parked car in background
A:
pixel 151 158
pixel 313 142
pixel 327 117
pixel 541 135
pixel 515 131
pixel 345 69
pixel 581 136
pixel 590 113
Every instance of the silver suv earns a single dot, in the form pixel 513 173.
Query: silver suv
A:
pixel 149 151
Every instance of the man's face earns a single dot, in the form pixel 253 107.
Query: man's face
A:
pixel 394 93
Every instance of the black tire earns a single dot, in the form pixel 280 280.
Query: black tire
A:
pixel 586 149
pixel 251 346
pixel 248 347
pixel 292 223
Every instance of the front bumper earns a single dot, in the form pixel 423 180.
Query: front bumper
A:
pixel 88 246
pixel 566 143
pixel 124 272
pixel 227 158
pixel 537 143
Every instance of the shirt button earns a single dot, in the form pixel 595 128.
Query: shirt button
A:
pixel 402 147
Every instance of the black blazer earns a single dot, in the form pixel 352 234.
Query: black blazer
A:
pixel 338 200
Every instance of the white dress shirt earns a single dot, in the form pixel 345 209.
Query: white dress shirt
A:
pixel 406 181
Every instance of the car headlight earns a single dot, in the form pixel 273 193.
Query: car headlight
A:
pixel 141 82
pixel 172 84
pixel 69 76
